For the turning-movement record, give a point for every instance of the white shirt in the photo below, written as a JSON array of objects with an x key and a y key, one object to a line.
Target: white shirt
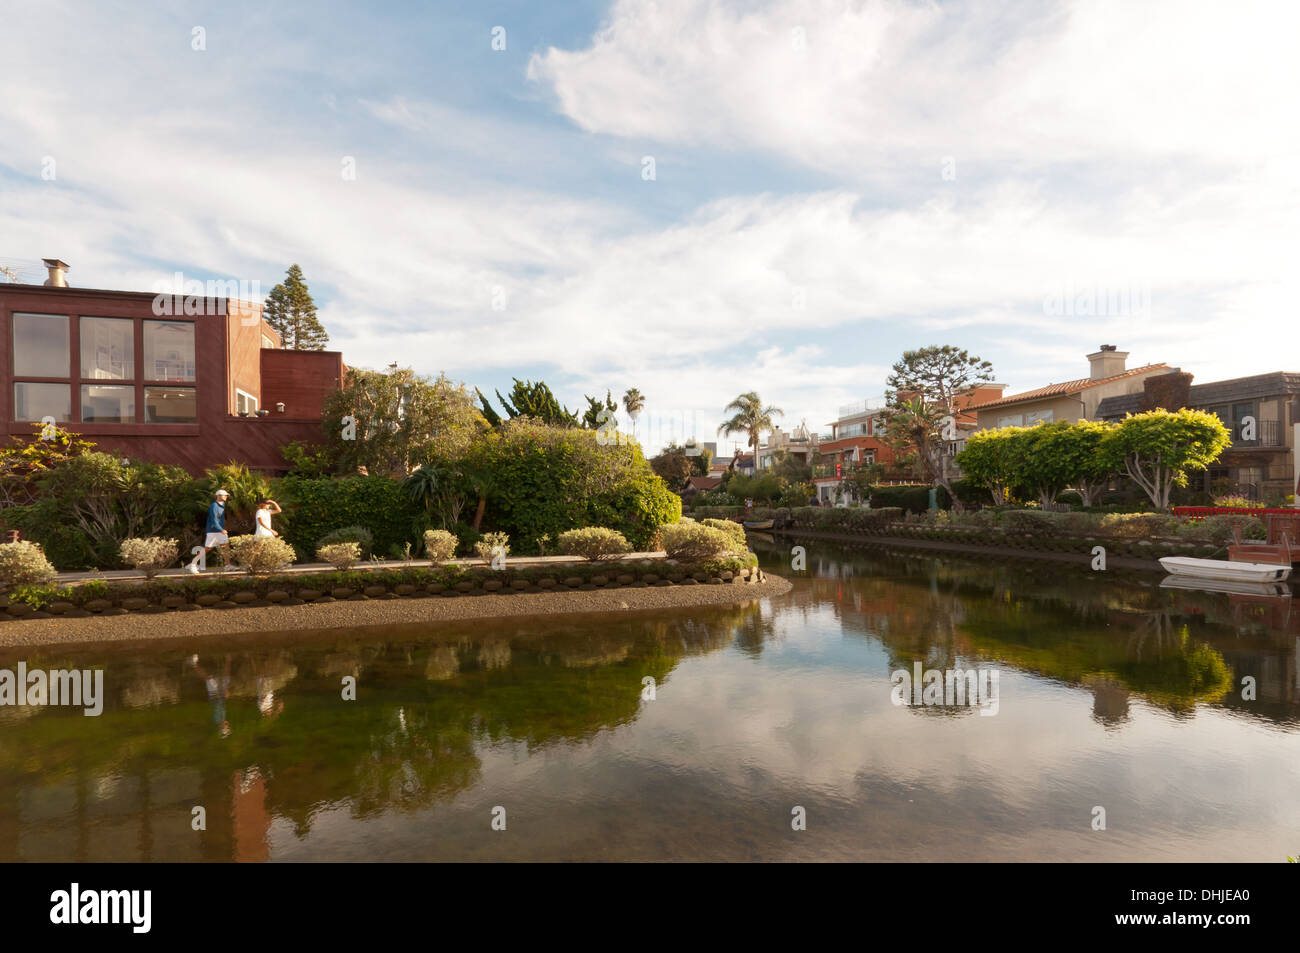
[{"x": 263, "y": 519}]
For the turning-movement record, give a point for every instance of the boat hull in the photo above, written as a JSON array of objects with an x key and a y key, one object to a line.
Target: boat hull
[{"x": 1222, "y": 569}]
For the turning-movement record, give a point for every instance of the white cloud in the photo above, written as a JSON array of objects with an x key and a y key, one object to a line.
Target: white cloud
[
  {"x": 1102, "y": 144},
  {"x": 885, "y": 81}
]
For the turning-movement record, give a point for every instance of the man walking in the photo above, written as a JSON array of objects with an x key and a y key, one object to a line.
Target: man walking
[{"x": 215, "y": 531}]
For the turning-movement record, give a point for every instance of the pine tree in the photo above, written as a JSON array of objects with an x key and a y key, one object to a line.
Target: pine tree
[{"x": 290, "y": 310}]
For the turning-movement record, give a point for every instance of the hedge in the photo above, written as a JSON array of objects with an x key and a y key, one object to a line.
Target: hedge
[{"x": 315, "y": 508}]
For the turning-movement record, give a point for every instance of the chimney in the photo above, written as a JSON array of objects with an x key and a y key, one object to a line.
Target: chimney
[
  {"x": 58, "y": 273},
  {"x": 1107, "y": 362}
]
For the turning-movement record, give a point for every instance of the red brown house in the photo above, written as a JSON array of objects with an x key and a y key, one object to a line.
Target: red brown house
[{"x": 193, "y": 382}]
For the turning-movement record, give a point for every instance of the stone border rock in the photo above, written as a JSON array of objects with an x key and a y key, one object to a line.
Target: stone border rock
[{"x": 117, "y": 624}]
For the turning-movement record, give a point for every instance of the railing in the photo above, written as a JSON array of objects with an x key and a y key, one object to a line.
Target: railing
[
  {"x": 1200, "y": 511},
  {"x": 860, "y": 407},
  {"x": 1268, "y": 433},
  {"x": 824, "y": 470}
]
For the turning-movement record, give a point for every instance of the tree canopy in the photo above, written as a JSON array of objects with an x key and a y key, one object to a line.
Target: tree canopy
[
  {"x": 399, "y": 420},
  {"x": 290, "y": 310},
  {"x": 1158, "y": 449},
  {"x": 750, "y": 417}
]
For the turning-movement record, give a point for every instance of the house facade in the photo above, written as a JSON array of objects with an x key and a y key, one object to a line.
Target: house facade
[
  {"x": 1071, "y": 400},
  {"x": 1261, "y": 411},
  {"x": 799, "y": 443},
  {"x": 195, "y": 385},
  {"x": 857, "y": 439}
]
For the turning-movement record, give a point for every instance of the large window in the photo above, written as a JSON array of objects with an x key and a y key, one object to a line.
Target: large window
[
  {"x": 41, "y": 349},
  {"x": 170, "y": 405},
  {"x": 41, "y": 345},
  {"x": 107, "y": 404},
  {"x": 103, "y": 381},
  {"x": 107, "y": 349},
  {"x": 35, "y": 402},
  {"x": 168, "y": 350}
]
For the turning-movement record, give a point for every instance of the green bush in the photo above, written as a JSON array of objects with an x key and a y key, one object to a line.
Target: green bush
[
  {"x": 150, "y": 555},
  {"x": 24, "y": 564},
  {"x": 313, "y": 509},
  {"x": 735, "y": 531},
  {"x": 1139, "y": 525},
  {"x": 913, "y": 498},
  {"x": 87, "y": 504},
  {"x": 339, "y": 555},
  {"x": 260, "y": 554},
  {"x": 439, "y": 545},
  {"x": 492, "y": 545},
  {"x": 593, "y": 543},
  {"x": 364, "y": 539},
  {"x": 547, "y": 480},
  {"x": 694, "y": 542}
]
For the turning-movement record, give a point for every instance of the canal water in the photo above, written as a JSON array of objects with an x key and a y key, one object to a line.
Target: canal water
[{"x": 1105, "y": 718}]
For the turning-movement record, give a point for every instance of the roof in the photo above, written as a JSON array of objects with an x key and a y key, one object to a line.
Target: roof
[
  {"x": 705, "y": 483},
  {"x": 1119, "y": 405},
  {"x": 1277, "y": 384},
  {"x": 1068, "y": 387}
]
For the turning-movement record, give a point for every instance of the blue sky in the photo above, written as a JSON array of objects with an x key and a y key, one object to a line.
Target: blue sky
[{"x": 913, "y": 173}]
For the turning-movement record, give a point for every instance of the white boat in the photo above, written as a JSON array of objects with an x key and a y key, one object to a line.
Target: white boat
[{"x": 1224, "y": 569}]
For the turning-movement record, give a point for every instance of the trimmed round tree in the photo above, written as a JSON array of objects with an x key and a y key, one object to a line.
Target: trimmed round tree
[{"x": 1158, "y": 449}]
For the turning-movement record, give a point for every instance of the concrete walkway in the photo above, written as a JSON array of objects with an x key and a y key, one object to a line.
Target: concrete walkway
[{"x": 125, "y": 575}]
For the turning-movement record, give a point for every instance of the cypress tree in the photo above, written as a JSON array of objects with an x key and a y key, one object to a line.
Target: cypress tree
[{"x": 290, "y": 310}]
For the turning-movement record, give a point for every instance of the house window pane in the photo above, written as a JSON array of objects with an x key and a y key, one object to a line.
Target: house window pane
[
  {"x": 41, "y": 345},
  {"x": 33, "y": 402},
  {"x": 168, "y": 350},
  {"x": 170, "y": 405},
  {"x": 245, "y": 403},
  {"x": 108, "y": 349},
  {"x": 101, "y": 404}
]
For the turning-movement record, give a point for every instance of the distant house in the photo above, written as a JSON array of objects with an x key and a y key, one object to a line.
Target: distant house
[
  {"x": 1069, "y": 400},
  {"x": 1261, "y": 411},
  {"x": 700, "y": 484},
  {"x": 800, "y": 444},
  {"x": 857, "y": 439},
  {"x": 196, "y": 386}
]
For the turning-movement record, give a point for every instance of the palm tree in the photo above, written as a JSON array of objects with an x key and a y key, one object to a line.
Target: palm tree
[
  {"x": 425, "y": 485},
  {"x": 633, "y": 401},
  {"x": 481, "y": 481},
  {"x": 751, "y": 418}
]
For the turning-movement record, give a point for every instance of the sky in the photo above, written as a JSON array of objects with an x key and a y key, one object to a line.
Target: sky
[{"x": 696, "y": 199}]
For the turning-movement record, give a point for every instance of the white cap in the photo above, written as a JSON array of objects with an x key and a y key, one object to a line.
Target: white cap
[{"x": 222, "y": 493}]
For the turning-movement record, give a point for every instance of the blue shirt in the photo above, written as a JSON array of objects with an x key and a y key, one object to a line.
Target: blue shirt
[{"x": 216, "y": 518}]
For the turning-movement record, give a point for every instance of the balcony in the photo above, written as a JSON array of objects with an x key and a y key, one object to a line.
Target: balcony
[
  {"x": 824, "y": 471},
  {"x": 1268, "y": 433},
  {"x": 859, "y": 407}
]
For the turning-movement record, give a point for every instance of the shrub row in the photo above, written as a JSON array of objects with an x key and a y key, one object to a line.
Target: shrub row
[{"x": 227, "y": 590}]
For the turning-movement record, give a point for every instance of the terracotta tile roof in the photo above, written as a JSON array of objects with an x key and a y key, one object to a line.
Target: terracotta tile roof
[{"x": 1068, "y": 387}]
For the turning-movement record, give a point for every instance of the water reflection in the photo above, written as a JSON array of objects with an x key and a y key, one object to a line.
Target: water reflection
[{"x": 758, "y": 706}]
